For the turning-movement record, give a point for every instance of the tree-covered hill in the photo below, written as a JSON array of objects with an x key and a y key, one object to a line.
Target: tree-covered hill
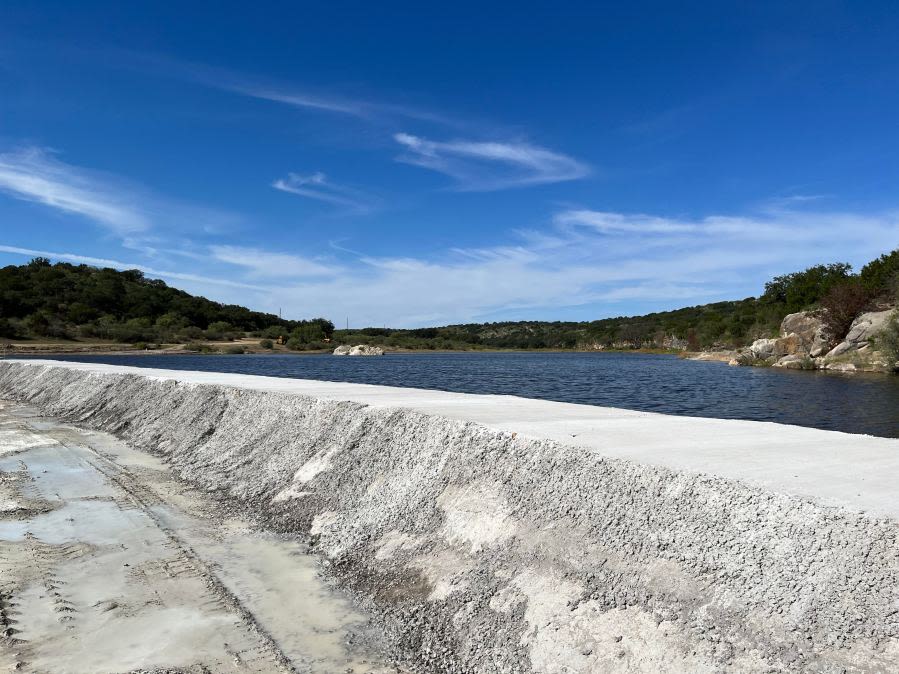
[
  {"x": 64, "y": 301},
  {"x": 731, "y": 324}
]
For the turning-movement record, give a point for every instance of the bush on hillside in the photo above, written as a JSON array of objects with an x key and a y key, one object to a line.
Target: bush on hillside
[
  {"x": 298, "y": 345},
  {"x": 198, "y": 347},
  {"x": 134, "y": 330},
  {"x": 841, "y": 305},
  {"x": 10, "y": 328},
  {"x": 888, "y": 341},
  {"x": 881, "y": 276},
  {"x": 38, "y": 324},
  {"x": 220, "y": 330},
  {"x": 272, "y": 332},
  {"x": 190, "y": 333}
]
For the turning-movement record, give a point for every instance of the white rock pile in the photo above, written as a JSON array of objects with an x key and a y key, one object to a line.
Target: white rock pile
[{"x": 358, "y": 350}]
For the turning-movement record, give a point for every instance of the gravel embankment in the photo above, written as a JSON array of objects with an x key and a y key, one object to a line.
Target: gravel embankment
[{"x": 486, "y": 552}]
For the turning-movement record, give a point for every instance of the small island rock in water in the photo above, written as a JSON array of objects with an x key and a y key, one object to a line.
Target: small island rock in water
[{"x": 358, "y": 350}]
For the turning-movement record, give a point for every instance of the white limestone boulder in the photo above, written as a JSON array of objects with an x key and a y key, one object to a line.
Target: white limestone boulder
[{"x": 358, "y": 350}]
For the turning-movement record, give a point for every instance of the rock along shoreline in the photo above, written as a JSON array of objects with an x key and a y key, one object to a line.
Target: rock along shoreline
[{"x": 804, "y": 344}]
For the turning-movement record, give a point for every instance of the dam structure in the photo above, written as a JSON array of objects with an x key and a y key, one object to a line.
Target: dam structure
[{"x": 493, "y": 534}]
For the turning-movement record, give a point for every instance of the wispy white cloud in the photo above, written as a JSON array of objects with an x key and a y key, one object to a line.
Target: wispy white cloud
[
  {"x": 331, "y": 99},
  {"x": 35, "y": 174},
  {"x": 134, "y": 214},
  {"x": 585, "y": 263},
  {"x": 317, "y": 186},
  {"x": 297, "y": 99},
  {"x": 626, "y": 263},
  {"x": 621, "y": 223},
  {"x": 481, "y": 166},
  {"x": 306, "y": 99},
  {"x": 771, "y": 226},
  {"x": 266, "y": 264}
]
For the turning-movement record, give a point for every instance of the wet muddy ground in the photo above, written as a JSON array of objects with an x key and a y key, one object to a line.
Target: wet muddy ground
[{"x": 108, "y": 563}]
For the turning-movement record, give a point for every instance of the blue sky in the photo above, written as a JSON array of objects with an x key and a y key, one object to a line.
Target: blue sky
[{"x": 408, "y": 165}]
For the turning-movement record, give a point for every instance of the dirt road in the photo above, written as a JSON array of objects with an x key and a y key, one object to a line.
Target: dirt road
[{"x": 110, "y": 564}]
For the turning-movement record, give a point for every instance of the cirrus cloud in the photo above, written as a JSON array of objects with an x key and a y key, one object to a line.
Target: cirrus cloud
[
  {"x": 132, "y": 213},
  {"x": 35, "y": 174},
  {"x": 260, "y": 263},
  {"x": 317, "y": 186},
  {"x": 584, "y": 264},
  {"x": 485, "y": 166}
]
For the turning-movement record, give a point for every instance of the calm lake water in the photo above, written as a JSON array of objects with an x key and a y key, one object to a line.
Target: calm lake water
[{"x": 854, "y": 403}]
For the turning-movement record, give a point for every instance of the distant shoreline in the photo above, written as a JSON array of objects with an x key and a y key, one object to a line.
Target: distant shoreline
[{"x": 253, "y": 349}]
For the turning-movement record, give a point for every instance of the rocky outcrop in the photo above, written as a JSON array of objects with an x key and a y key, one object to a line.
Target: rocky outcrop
[
  {"x": 669, "y": 342},
  {"x": 761, "y": 349},
  {"x": 804, "y": 343},
  {"x": 807, "y": 331},
  {"x": 863, "y": 330},
  {"x": 802, "y": 336},
  {"x": 795, "y": 362},
  {"x": 723, "y": 356},
  {"x": 358, "y": 350},
  {"x": 674, "y": 343}
]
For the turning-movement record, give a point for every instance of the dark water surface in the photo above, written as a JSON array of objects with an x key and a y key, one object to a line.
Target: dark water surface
[{"x": 854, "y": 403}]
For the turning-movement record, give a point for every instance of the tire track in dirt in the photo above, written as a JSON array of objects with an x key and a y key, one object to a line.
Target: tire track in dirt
[{"x": 89, "y": 546}]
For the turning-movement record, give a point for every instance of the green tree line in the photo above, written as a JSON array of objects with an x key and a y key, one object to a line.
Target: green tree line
[
  {"x": 729, "y": 324},
  {"x": 64, "y": 301}
]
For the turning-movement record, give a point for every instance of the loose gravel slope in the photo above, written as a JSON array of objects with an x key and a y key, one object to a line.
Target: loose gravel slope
[{"x": 483, "y": 551}]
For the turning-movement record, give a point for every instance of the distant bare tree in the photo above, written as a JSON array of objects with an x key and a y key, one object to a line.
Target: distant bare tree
[
  {"x": 840, "y": 306},
  {"x": 633, "y": 334},
  {"x": 693, "y": 343}
]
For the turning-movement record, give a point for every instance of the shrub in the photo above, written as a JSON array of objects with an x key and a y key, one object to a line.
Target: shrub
[
  {"x": 37, "y": 324},
  {"x": 198, "y": 347},
  {"x": 9, "y": 328},
  {"x": 888, "y": 341},
  {"x": 267, "y": 344},
  {"x": 220, "y": 330},
  {"x": 807, "y": 364},
  {"x": 841, "y": 304},
  {"x": 275, "y": 331},
  {"x": 235, "y": 350},
  {"x": 133, "y": 330},
  {"x": 169, "y": 325},
  {"x": 295, "y": 344},
  {"x": 191, "y": 333}
]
